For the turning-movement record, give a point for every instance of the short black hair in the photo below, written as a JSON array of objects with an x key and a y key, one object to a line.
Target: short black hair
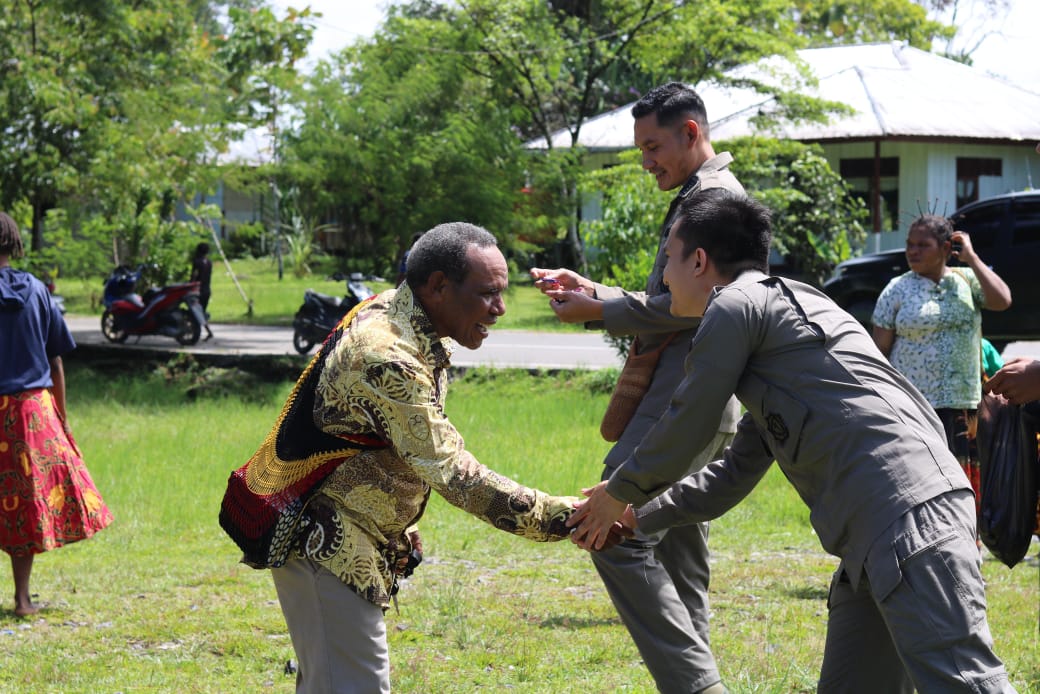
[
  {"x": 10, "y": 238},
  {"x": 672, "y": 102},
  {"x": 202, "y": 249},
  {"x": 444, "y": 248},
  {"x": 732, "y": 228},
  {"x": 938, "y": 226}
]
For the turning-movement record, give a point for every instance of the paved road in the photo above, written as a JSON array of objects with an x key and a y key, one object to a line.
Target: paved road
[{"x": 502, "y": 348}]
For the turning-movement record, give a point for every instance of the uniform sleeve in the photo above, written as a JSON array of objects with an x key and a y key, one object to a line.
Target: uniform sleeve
[
  {"x": 397, "y": 401},
  {"x": 718, "y": 355},
  {"x": 887, "y": 306},
  {"x": 635, "y": 312},
  {"x": 711, "y": 492}
]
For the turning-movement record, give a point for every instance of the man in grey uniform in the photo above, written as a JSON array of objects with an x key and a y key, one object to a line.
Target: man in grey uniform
[
  {"x": 860, "y": 444},
  {"x": 659, "y": 581}
]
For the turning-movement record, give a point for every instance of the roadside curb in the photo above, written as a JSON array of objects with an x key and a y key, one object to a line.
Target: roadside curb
[{"x": 129, "y": 358}]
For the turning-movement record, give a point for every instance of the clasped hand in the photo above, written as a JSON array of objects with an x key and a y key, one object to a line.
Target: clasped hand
[{"x": 601, "y": 521}]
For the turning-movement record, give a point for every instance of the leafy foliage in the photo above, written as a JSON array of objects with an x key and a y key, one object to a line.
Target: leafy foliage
[
  {"x": 114, "y": 110},
  {"x": 816, "y": 222},
  {"x": 397, "y": 136},
  {"x": 622, "y": 244},
  {"x": 869, "y": 21}
]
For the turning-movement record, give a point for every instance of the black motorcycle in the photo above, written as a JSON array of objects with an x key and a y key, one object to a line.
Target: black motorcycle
[{"x": 320, "y": 313}]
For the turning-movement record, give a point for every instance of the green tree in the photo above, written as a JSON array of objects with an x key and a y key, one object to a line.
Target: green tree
[
  {"x": 817, "y": 223},
  {"x": 385, "y": 121},
  {"x": 115, "y": 110},
  {"x": 560, "y": 63},
  {"x": 102, "y": 99},
  {"x": 260, "y": 55},
  {"x": 396, "y": 135}
]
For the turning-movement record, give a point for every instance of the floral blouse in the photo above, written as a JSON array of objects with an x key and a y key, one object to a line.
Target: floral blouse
[
  {"x": 387, "y": 378},
  {"x": 938, "y": 333}
]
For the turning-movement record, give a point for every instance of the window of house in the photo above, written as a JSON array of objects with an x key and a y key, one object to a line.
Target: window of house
[
  {"x": 969, "y": 171},
  {"x": 859, "y": 174}
]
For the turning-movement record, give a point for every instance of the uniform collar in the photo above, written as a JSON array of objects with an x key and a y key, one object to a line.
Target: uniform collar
[{"x": 717, "y": 163}]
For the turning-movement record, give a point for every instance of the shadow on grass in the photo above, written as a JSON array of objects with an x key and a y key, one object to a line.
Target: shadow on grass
[
  {"x": 807, "y": 593},
  {"x": 579, "y": 623}
]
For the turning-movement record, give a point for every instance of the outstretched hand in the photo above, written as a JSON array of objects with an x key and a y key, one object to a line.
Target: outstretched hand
[
  {"x": 596, "y": 519},
  {"x": 565, "y": 279}
]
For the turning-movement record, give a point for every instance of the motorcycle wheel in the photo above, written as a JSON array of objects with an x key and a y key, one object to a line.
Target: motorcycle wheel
[
  {"x": 109, "y": 329},
  {"x": 300, "y": 342},
  {"x": 190, "y": 330}
]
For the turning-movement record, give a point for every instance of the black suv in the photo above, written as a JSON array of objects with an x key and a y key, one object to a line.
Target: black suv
[{"x": 1005, "y": 232}]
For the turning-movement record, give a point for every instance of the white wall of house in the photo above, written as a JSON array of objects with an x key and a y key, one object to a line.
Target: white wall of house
[{"x": 928, "y": 177}]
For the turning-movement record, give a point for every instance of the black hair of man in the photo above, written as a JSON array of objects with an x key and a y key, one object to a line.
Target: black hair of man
[
  {"x": 444, "y": 248},
  {"x": 202, "y": 250},
  {"x": 673, "y": 102},
  {"x": 938, "y": 226},
  {"x": 733, "y": 229},
  {"x": 10, "y": 238}
]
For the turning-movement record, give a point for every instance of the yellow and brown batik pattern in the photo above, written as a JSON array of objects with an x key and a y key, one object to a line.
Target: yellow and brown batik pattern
[{"x": 387, "y": 378}]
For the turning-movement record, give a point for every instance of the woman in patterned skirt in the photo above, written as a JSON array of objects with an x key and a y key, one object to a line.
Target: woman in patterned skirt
[
  {"x": 47, "y": 498},
  {"x": 928, "y": 322}
]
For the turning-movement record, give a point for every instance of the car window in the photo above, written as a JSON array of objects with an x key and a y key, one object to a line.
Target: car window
[
  {"x": 1027, "y": 222},
  {"x": 982, "y": 224}
]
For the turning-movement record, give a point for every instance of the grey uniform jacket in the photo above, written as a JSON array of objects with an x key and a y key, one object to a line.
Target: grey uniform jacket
[
  {"x": 858, "y": 442},
  {"x": 646, "y": 315}
]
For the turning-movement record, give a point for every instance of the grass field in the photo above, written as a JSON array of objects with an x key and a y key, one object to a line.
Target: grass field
[{"x": 159, "y": 603}]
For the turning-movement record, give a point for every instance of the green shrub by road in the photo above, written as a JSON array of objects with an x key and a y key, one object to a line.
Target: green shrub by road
[{"x": 159, "y": 603}]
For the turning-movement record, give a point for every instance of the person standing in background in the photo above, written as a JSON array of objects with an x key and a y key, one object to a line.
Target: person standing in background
[
  {"x": 658, "y": 582},
  {"x": 47, "y": 498},
  {"x": 928, "y": 322},
  {"x": 202, "y": 272}
]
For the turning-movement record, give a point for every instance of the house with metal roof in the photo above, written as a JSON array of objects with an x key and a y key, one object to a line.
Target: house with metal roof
[{"x": 925, "y": 132}]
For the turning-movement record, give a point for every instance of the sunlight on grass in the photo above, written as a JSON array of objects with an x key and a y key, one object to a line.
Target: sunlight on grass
[{"x": 159, "y": 603}]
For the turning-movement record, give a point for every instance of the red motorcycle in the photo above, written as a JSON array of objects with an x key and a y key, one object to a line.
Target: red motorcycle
[{"x": 173, "y": 310}]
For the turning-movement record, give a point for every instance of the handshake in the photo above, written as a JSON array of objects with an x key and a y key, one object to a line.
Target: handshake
[{"x": 600, "y": 521}]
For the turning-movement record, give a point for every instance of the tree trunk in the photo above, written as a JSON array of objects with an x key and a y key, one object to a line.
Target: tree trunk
[{"x": 39, "y": 208}]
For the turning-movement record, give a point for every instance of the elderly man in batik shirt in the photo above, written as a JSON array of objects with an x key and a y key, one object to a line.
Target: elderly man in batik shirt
[{"x": 386, "y": 380}]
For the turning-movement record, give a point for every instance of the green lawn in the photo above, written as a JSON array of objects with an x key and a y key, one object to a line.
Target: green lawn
[{"x": 159, "y": 603}]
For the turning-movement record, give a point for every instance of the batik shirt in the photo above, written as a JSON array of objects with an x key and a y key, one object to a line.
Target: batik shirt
[
  {"x": 387, "y": 379},
  {"x": 938, "y": 333}
]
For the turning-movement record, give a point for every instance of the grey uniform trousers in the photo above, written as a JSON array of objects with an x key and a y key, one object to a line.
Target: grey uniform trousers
[
  {"x": 918, "y": 615},
  {"x": 659, "y": 586}
]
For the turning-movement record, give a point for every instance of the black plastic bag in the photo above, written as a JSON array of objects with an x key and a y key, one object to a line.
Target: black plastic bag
[{"x": 1007, "y": 446}]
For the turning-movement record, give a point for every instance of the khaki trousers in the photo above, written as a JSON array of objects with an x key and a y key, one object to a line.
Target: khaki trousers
[{"x": 339, "y": 637}]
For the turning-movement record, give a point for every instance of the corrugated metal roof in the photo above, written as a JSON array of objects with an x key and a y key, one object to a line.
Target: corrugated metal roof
[{"x": 896, "y": 91}]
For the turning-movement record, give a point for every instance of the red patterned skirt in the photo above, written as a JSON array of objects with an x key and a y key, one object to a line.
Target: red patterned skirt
[{"x": 47, "y": 498}]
